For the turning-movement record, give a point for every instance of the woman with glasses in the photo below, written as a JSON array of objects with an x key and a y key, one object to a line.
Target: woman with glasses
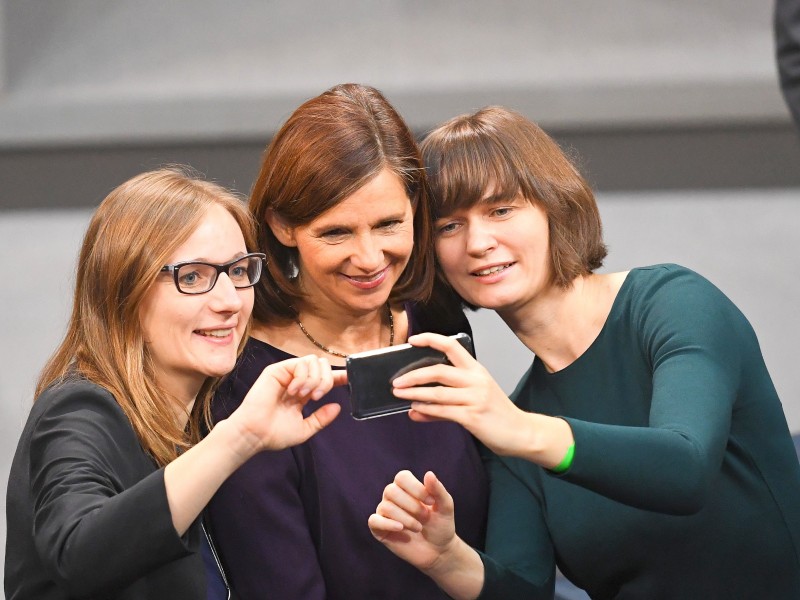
[
  {"x": 341, "y": 211},
  {"x": 645, "y": 452},
  {"x": 110, "y": 474}
]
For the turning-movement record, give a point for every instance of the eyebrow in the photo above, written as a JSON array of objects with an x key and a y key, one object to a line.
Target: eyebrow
[
  {"x": 205, "y": 260},
  {"x": 399, "y": 216},
  {"x": 497, "y": 198}
]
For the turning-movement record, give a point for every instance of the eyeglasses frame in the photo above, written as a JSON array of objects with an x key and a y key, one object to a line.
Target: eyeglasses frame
[{"x": 220, "y": 268}]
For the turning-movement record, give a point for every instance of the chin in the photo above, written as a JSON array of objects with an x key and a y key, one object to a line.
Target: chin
[
  {"x": 220, "y": 369},
  {"x": 369, "y": 305}
]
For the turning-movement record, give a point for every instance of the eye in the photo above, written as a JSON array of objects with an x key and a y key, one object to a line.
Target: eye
[
  {"x": 238, "y": 272},
  {"x": 334, "y": 235},
  {"x": 502, "y": 211},
  {"x": 390, "y": 225},
  {"x": 446, "y": 227},
  {"x": 189, "y": 278}
]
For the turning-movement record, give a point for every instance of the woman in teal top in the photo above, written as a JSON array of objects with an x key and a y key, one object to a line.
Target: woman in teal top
[{"x": 645, "y": 453}]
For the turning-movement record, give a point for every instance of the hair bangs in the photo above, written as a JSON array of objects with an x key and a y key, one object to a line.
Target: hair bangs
[{"x": 468, "y": 169}]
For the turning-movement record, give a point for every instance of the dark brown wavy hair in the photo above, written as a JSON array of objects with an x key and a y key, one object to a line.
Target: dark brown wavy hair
[{"x": 330, "y": 147}]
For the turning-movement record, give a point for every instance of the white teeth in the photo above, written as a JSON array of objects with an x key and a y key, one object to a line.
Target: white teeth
[
  {"x": 496, "y": 269},
  {"x": 366, "y": 279},
  {"x": 216, "y": 332}
]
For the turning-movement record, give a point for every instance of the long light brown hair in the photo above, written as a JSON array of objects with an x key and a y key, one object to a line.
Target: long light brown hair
[
  {"x": 131, "y": 235},
  {"x": 330, "y": 147}
]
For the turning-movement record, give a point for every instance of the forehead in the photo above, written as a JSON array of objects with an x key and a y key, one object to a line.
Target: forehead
[
  {"x": 382, "y": 197},
  {"x": 217, "y": 237}
]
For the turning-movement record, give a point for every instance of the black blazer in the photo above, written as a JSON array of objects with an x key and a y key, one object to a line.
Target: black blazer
[{"x": 87, "y": 510}]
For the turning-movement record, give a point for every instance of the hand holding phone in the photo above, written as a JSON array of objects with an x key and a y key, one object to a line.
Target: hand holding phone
[{"x": 370, "y": 375}]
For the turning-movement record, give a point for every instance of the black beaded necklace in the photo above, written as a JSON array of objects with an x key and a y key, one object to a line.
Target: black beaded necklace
[{"x": 334, "y": 352}]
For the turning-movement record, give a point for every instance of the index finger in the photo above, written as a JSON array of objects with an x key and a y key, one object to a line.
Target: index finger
[
  {"x": 456, "y": 353},
  {"x": 407, "y": 482}
]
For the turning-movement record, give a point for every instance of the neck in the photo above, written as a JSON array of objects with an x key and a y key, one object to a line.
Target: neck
[
  {"x": 561, "y": 325},
  {"x": 182, "y": 394},
  {"x": 340, "y": 336},
  {"x": 182, "y": 413}
]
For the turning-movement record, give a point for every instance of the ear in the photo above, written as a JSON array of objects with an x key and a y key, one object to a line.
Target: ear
[{"x": 280, "y": 229}]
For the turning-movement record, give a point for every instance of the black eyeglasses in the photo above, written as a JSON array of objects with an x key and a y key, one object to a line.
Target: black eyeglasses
[{"x": 194, "y": 277}]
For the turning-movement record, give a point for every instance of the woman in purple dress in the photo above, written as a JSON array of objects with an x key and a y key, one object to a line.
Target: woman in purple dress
[{"x": 341, "y": 207}]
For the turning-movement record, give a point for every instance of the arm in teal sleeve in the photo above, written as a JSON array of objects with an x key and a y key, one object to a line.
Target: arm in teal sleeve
[
  {"x": 694, "y": 338},
  {"x": 519, "y": 560}
]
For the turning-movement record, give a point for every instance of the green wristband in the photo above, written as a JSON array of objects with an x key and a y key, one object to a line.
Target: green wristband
[{"x": 566, "y": 462}]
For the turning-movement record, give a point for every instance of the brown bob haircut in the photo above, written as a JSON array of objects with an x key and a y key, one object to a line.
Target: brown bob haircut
[
  {"x": 330, "y": 147},
  {"x": 131, "y": 236},
  {"x": 499, "y": 148}
]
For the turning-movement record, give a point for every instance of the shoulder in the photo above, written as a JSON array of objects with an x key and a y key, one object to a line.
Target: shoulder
[
  {"x": 77, "y": 418},
  {"x": 661, "y": 273},
  {"x": 670, "y": 286},
  {"x": 671, "y": 304},
  {"x": 77, "y": 395}
]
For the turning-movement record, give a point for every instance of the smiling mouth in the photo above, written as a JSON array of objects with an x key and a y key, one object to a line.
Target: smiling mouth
[
  {"x": 367, "y": 278},
  {"x": 217, "y": 333},
  {"x": 491, "y": 270}
]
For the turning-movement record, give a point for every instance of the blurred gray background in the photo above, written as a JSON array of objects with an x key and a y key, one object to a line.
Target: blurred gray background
[{"x": 672, "y": 109}]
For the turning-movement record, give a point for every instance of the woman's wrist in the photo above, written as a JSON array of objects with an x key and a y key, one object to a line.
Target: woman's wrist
[
  {"x": 232, "y": 439},
  {"x": 545, "y": 440},
  {"x": 458, "y": 571}
]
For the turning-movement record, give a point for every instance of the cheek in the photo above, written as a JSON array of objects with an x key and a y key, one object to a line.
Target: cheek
[
  {"x": 448, "y": 257},
  {"x": 320, "y": 257},
  {"x": 248, "y": 299},
  {"x": 151, "y": 316},
  {"x": 402, "y": 245}
]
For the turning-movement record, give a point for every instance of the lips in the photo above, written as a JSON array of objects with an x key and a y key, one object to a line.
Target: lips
[
  {"x": 366, "y": 282},
  {"x": 493, "y": 270},
  {"x": 214, "y": 333}
]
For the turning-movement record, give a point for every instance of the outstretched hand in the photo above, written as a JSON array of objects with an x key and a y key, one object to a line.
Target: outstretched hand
[
  {"x": 415, "y": 520},
  {"x": 463, "y": 392},
  {"x": 271, "y": 415}
]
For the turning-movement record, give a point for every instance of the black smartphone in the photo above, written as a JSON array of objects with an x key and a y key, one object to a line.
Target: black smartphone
[{"x": 370, "y": 375}]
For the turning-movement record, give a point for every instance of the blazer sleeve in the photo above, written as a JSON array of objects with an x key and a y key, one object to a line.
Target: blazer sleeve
[{"x": 95, "y": 499}]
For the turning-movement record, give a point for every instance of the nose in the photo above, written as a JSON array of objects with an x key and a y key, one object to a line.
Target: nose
[
  {"x": 480, "y": 238},
  {"x": 224, "y": 295},
  {"x": 367, "y": 254}
]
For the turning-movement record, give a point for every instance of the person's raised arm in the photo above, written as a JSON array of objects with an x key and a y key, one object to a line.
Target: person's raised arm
[
  {"x": 468, "y": 395},
  {"x": 270, "y": 418}
]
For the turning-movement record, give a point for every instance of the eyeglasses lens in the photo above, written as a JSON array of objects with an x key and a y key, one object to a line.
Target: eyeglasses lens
[{"x": 197, "y": 278}]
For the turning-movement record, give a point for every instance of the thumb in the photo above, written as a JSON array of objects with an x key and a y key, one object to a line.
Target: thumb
[
  {"x": 438, "y": 492},
  {"x": 339, "y": 377},
  {"x": 321, "y": 418}
]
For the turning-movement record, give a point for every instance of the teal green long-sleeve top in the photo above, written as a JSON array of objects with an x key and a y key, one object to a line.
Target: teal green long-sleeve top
[{"x": 685, "y": 483}]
